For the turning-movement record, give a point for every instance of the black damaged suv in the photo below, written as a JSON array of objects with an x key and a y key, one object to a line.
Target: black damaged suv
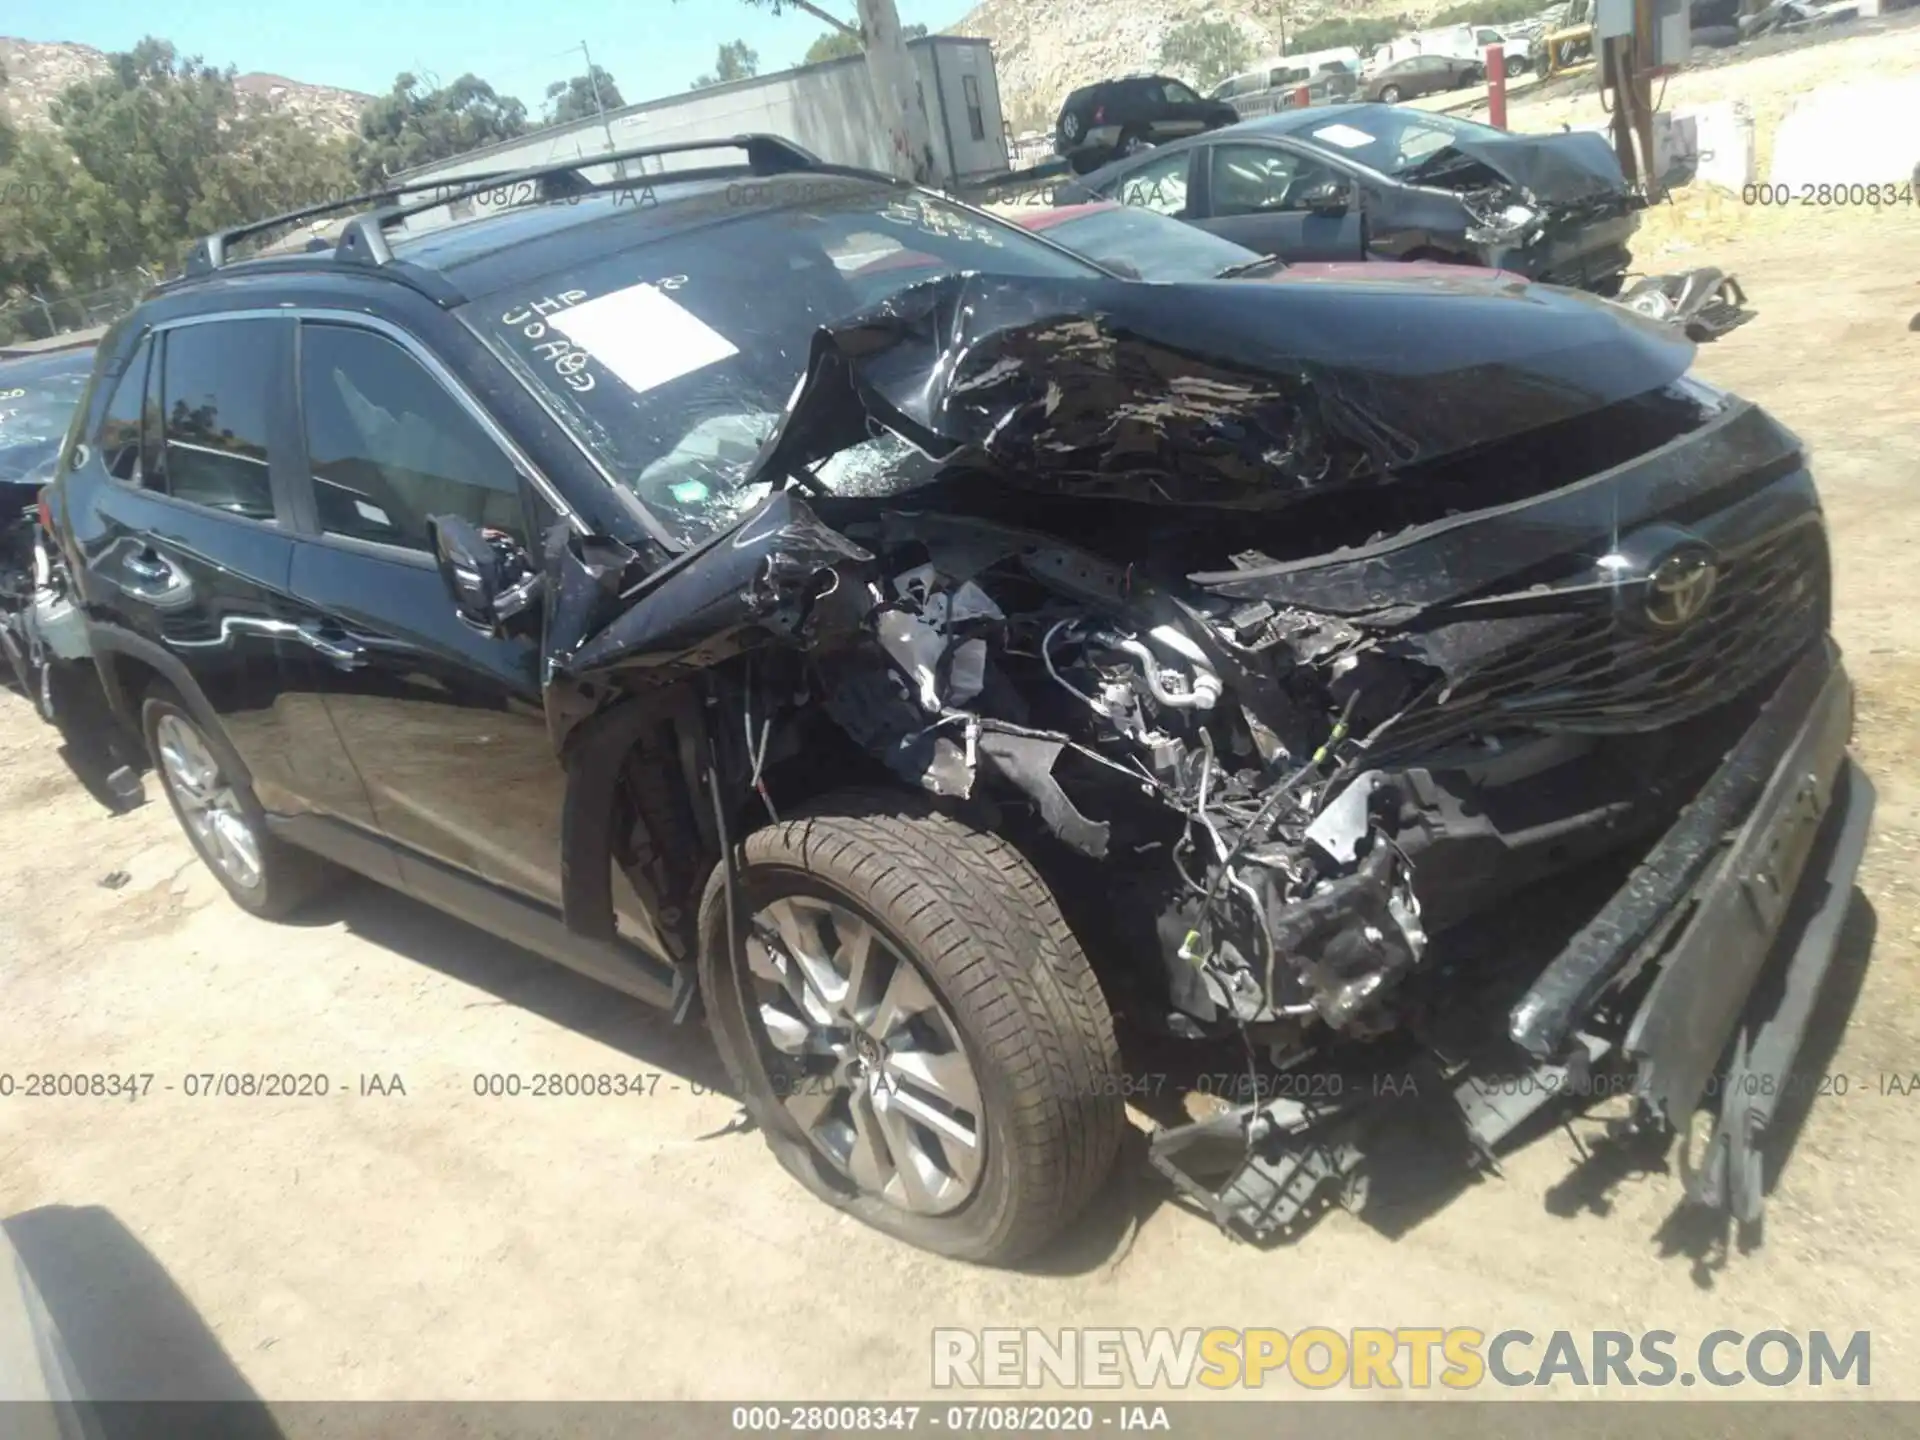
[{"x": 788, "y": 594}]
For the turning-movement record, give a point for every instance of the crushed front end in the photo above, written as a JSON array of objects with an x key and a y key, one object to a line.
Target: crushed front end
[{"x": 1285, "y": 668}]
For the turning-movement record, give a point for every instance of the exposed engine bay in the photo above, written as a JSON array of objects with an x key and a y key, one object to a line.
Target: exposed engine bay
[
  {"x": 1360, "y": 680},
  {"x": 1284, "y": 897}
]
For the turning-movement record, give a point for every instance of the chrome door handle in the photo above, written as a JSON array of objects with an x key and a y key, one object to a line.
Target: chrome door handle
[{"x": 347, "y": 654}]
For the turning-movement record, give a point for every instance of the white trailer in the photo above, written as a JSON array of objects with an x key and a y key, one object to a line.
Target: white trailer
[{"x": 828, "y": 108}]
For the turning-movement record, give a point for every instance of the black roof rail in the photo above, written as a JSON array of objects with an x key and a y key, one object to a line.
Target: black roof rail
[
  {"x": 210, "y": 253},
  {"x": 364, "y": 239}
]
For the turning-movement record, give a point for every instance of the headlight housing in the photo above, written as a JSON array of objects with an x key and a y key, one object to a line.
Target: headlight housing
[{"x": 1509, "y": 225}]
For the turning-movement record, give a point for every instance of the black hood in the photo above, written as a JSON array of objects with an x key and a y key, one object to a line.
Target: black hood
[
  {"x": 1216, "y": 393},
  {"x": 1567, "y": 169}
]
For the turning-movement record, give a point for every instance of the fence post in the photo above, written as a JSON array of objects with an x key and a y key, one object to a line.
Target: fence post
[{"x": 1497, "y": 87}]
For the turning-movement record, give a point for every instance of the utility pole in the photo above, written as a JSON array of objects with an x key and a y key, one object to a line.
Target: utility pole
[
  {"x": 896, "y": 92},
  {"x": 593, "y": 84}
]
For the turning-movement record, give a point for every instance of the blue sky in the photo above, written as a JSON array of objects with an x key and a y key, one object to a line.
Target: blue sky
[{"x": 651, "y": 47}]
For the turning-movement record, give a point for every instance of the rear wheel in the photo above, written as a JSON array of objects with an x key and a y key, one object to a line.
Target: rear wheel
[
  {"x": 913, "y": 1026},
  {"x": 223, "y": 821},
  {"x": 1390, "y": 94}
]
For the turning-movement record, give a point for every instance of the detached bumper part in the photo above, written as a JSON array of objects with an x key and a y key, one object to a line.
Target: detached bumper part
[
  {"x": 1755, "y": 877},
  {"x": 1278, "y": 1157}
]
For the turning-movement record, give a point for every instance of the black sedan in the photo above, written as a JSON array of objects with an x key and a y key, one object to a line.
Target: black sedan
[
  {"x": 1367, "y": 181},
  {"x": 1424, "y": 75}
]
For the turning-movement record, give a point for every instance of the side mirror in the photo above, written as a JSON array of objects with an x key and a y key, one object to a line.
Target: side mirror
[
  {"x": 1329, "y": 197},
  {"x": 490, "y": 576}
]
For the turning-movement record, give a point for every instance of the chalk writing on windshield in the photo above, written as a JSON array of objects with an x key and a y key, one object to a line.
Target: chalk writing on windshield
[
  {"x": 569, "y": 361},
  {"x": 916, "y": 214}
]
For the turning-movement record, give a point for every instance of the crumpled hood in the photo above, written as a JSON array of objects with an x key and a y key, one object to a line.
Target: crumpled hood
[
  {"x": 1215, "y": 393},
  {"x": 1567, "y": 169}
]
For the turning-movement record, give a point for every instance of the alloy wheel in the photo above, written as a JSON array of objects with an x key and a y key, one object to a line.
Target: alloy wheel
[
  {"x": 207, "y": 801},
  {"x": 866, "y": 1059}
]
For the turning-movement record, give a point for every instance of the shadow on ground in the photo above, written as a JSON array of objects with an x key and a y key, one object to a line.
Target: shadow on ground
[{"x": 127, "y": 1331}]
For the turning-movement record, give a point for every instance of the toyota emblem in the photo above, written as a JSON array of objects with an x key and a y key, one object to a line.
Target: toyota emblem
[{"x": 1679, "y": 587}]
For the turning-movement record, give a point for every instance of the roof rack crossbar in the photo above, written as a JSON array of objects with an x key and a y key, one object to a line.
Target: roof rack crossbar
[
  {"x": 210, "y": 253},
  {"x": 364, "y": 239}
]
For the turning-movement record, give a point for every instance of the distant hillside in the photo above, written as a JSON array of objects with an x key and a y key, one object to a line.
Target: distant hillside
[
  {"x": 37, "y": 73},
  {"x": 1044, "y": 48}
]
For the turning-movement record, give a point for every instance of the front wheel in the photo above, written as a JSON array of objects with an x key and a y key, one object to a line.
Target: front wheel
[
  {"x": 1390, "y": 95},
  {"x": 1132, "y": 143},
  {"x": 913, "y": 1027}
]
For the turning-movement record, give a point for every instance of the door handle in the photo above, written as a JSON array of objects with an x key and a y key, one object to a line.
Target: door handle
[{"x": 348, "y": 654}]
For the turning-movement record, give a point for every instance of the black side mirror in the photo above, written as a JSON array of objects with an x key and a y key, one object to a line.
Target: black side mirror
[
  {"x": 490, "y": 576},
  {"x": 1329, "y": 197}
]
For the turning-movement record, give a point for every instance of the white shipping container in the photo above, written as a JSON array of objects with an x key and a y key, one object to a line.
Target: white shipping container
[{"x": 827, "y": 108}]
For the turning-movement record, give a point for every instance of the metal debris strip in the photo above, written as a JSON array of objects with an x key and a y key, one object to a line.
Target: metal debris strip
[{"x": 1704, "y": 304}]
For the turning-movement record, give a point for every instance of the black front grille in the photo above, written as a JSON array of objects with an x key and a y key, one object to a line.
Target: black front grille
[{"x": 1596, "y": 673}]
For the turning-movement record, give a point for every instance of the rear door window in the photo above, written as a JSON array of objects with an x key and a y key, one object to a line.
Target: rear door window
[
  {"x": 214, "y": 390},
  {"x": 389, "y": 447},
  {"x": 119, "y": 440},
  {"x": 1159, "y": 185}
]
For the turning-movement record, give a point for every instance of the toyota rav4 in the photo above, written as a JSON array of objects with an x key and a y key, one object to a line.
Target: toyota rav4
[{"x": 792, "y": 597}]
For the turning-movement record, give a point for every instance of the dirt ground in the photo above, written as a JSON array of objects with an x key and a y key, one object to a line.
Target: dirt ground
[{"x": 435, "y": 1244}]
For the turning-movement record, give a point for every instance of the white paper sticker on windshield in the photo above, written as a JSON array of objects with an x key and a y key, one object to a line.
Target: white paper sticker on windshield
[
  {"x": 1345, "y": 136},
  {"x": 643, "y": 337}
]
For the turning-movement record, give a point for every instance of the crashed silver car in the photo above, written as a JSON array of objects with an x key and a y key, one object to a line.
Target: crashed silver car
[{"x": 938, "y": 649}]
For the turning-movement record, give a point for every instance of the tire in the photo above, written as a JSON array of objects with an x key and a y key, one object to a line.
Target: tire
[
  {"x": 1390, "y": 95},
  {"x": 962, "y": 914},
  {"x": 283, "y": 877},
  {"x": 1131, "y": 142}
]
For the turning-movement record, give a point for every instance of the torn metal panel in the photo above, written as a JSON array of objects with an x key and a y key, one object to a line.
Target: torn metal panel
[
  {"x": 1026, "y": 762},
  {"x": 762, "y": 576},
  {"x": 1243, "y": 397},
  {"x": 1567, "y": 169}
]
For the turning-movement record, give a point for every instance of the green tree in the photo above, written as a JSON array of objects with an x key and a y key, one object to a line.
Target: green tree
[
  {"x": 1208, "y": 50},
  {"x": 151, "y": 153},
  {"x": 838, "y": 44},
  {"x": 413, "y": 125},
  {"x": 736, "y": 60},
  {"x": 575, "y": 99}
]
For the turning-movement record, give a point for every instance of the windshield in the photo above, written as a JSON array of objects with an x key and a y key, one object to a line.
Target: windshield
[
  {"x": 1156, "y": 246},
  {"x": 673, "y": 360},
  {"x": 37, "y": 398},
  {"x": 1393, "y": 139}
]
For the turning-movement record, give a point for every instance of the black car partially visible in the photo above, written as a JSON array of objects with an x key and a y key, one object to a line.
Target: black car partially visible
[
  {"x": 42, "y": 385},
  {"x": 1125, "y": 117},
  {"x": 38, "y": 394}
]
